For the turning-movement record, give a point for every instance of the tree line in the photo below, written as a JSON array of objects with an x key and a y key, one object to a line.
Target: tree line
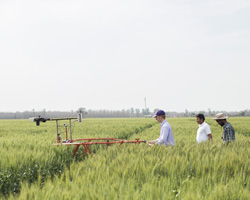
[{"x": 132, "y": 112}]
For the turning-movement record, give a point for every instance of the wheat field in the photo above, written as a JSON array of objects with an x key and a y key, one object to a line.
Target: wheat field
[{"x": 33, "y": 168}]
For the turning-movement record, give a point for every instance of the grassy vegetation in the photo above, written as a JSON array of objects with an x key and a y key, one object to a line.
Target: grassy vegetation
[
  {"x": 27, "y": 150},
  {"x": 131, "y": 171}
]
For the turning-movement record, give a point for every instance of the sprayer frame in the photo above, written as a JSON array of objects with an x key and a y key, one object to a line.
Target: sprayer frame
[{"x": 85, "y": 144}]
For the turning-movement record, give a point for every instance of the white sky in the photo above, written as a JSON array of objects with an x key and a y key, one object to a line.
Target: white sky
[{"x": 110, "y": 54}]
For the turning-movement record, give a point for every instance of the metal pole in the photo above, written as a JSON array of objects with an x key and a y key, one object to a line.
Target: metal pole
[
  {"x": 57, "y": 131},
  {"x": 70, "y": 129}
]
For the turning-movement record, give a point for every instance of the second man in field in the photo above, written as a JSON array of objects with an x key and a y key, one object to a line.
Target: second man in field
[{"x": 203, "y": 132}]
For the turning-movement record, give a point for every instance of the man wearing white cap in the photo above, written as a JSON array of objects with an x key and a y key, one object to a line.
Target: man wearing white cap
[
  {"x": 166, "y": 133},
  {"x": 228, "y": 130}
]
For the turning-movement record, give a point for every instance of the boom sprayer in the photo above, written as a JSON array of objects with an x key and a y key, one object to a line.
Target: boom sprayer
[{"x": 85, "y": 142}]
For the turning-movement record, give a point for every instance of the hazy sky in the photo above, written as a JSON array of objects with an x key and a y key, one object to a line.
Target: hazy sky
[{"x": 110, "y": 54}]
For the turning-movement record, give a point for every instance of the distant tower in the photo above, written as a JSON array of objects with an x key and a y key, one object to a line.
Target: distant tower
[{"x": 146, "y": 110}]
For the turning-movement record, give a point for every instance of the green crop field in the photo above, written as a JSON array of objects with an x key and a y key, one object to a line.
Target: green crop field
[{"x": 31, "y": 167}]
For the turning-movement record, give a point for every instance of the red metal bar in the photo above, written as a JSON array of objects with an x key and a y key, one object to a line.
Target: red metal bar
[
  {"x": 94, "y": 139},
  {"x": 77, "y": 147},
  {"x": 86, "y": 149},
  {"x": 110, "y": 142},
  {"x": 86, "y": 144},
  {"x": 66, "y": 133},
  {"x": 107, "y": 142}
]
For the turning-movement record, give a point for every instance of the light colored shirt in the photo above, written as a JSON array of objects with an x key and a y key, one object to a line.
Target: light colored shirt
[
  {"x": 166, "y": 134},
  {"x": 203, "y": 132}
]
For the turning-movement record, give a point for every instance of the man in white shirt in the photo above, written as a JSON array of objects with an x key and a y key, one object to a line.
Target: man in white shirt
[
  {"x": 166, "y": 134},
  {"x": 203, "y": 132}
]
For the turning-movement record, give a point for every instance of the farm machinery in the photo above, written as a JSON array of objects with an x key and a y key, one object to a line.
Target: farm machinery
[{"x": 85, "y": 142}]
